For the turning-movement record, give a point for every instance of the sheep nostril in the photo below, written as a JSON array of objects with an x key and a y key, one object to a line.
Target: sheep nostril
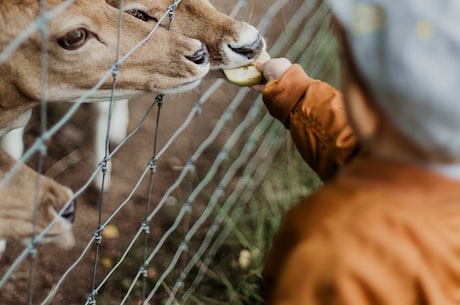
[
  {"x": 200, "y": 57},
  {"x": 250, "y": 51},
  {"x": 69, "y": 212}
]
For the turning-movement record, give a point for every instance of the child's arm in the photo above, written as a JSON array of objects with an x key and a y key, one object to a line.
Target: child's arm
[{"x": 314, "y": 113}]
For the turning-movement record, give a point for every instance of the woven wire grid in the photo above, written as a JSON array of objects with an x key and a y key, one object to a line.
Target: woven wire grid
[{"x": 245, "y": 156}]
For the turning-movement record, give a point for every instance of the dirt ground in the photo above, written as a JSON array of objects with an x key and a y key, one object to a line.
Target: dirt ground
[{"x": 69, "y": 161}]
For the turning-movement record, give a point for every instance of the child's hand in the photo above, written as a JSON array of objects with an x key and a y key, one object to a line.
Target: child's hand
[{"x": 272, "y": 70}]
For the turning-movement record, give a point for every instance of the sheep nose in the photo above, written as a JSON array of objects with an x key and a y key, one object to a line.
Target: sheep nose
[
  {"x": 69, "y": 212},
  {"x": 200, "y": 57},
  {"x": 250, "y": 51}
]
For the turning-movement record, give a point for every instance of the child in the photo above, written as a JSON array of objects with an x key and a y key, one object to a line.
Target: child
[{"x": 385, "y": 229}]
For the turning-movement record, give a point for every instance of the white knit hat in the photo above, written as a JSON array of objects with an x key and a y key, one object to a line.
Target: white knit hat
[{"x": 408, "y": 52}]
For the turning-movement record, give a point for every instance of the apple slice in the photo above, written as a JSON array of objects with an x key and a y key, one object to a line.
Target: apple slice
[{"x": 247, "y": 75}]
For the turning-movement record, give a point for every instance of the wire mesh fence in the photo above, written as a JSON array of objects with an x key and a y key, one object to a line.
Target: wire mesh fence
[{"x": 185, "y": 173}]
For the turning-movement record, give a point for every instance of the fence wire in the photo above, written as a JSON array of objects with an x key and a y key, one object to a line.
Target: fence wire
[{"x": 229, "y": 183}]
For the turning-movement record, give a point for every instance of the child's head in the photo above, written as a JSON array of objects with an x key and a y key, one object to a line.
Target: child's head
[{"x": 405, "y": 56}]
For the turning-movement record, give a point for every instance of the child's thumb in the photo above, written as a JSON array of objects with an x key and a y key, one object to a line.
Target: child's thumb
[{"x": 275, "y": 68}]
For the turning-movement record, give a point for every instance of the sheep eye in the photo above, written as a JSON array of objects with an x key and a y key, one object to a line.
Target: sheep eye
[
  {"x": 74, "y": 39},
  {"x": 141, "y": 15}
]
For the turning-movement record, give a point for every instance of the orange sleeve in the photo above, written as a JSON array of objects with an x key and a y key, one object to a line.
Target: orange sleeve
[{"x": 315, "y": 114}]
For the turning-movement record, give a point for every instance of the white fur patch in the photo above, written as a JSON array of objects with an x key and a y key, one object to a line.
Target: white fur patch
[{"x": 20, "y": 121}]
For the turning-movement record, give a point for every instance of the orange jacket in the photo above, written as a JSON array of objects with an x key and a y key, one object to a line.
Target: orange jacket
[
  {"x": 378, "y": 232},
  {"x": 314, "y": 113}
]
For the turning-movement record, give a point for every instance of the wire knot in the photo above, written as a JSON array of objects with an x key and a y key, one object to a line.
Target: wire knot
[
  {"x": 32, "y": 250},
  {"x": 171, "y": 9},
  {"x": 159, "y": 99},
  {"x": 184, "y": 246},
  {"x": 143, "y": 271},
  {"x": 171, "y": 13},
  {"x": 115, "y": 70},
  {"x": 42, "y": 146},
  {"x": 97, "y": 235},
  {"x": 153, "y": 164},
  {"x": 228, "y": 115},
  {"x": 223, "y": 154},
  {"x": 188, "y": 206},
  {"x": 146, "y": 227},
  {"x": 104, "y": 164},
  {"x": 90, "y": 300},
  {"x": 220, "y": 191},
  {"x": 198, "y": 108}
]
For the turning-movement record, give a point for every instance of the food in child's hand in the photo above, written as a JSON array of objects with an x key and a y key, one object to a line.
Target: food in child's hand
[{"x": 247, "y": 75}]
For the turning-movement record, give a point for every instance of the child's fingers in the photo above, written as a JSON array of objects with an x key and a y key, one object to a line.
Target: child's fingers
[
  {"x": 272, "y": 70},
  {"x": 260, "y": 65},
  {"x": 258, "y": 88},
  {"x": 275, "y": 68}
]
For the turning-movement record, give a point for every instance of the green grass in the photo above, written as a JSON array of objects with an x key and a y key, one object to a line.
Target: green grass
[{"x": 228, "y": 281}]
